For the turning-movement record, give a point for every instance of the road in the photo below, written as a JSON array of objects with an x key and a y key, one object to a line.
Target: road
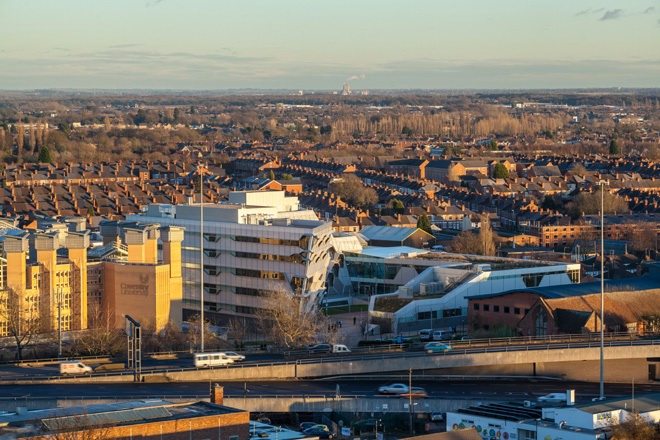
[
  {"x": 150, "y": 365},
  {"x": 514, "y": 390}
]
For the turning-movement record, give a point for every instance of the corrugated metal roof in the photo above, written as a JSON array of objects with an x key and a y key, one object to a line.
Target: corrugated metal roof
[
  {"x": 111, "y": 418},
  {"x": 387, "y": 233}
]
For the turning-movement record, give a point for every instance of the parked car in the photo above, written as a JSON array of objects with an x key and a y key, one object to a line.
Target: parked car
[
  {"x": 307, "y": 425},
  {"x": 234, "y": 356},
  {"x": 320, "y": 348},
  {"x": 441, "y": 335},
  {"x": 552, "y": 398},
  {"x": 321, "y": 431},
  {"x": 426, "y": 334},
  {"x": 394, "y": 388},
  {"x": 437, "y": 417},
  {"x": 436, "y": 347}
]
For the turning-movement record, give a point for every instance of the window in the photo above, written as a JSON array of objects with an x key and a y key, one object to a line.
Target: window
[
  {"x": 446, "y": 313},
  {"x": 526, "y": 311},
  {"x": 507, "y": 310},
  {"x": 532, "y": 280},
  {"x": 516, "y": 310},
  {"x": 475, "y": 306},
  {"x": 486, "y": 307},
  {"x": 424, "y": 315},
  {"x": 212, "y": 253},
  {"x": 524, "y": 434},
  {"x": 496, "y": 308},
  {"x": 233, "y": 437}
]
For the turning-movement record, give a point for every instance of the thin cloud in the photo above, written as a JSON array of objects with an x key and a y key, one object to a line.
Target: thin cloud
[
  {"x": 612, "y": 14},
  {"x": 123, "y": 46},
  {"x": 589, "y": 11}
]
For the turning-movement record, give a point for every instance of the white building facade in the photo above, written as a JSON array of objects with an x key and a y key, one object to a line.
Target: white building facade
[
  {"x": 438, "y": 296},
  {"x": 258, "y": 243}
]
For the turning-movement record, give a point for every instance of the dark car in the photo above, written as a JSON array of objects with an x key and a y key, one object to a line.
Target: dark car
[
  {"x": 320, "y": 431},
  {"x": 320, "y": 348}
]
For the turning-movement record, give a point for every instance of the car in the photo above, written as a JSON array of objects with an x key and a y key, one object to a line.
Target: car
[
  {"x": 552, "y": 398},
  {"x": 415, "y": 392},
  {"x": 441, "y": 335},
  {"x": 307, "y": 425},
  {"x": 394, "y": 388},
  {"x": 436, "y": 347},
  {"x": 425, "y": 334},
  {"x": 234, "y": 356},
  {"x": 437, "y": 417},
  {"x": 399, "y": 340},
  {"x": 320, "y": 348},
  {"x": 321, "y": 431}
]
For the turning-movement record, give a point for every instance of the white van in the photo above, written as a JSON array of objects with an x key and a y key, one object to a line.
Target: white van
[
  {"x": 212, "y": 360},
  {"x": 340, "y": 348},
  {"x": 75, "y": 367},
  {"x": 441, "y": 335},
  {"x": 426, "y": 334}
]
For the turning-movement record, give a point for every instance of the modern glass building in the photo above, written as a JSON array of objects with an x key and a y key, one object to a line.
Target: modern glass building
[{"x": 257, "y": 243}]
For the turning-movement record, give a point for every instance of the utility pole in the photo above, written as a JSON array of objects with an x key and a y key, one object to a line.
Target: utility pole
[
  {"x": 410, "y": 402},
  {"x": 202, "y": 324},
  {"x": 59, "y": 322},
  {"x": 602, "y": 289}
]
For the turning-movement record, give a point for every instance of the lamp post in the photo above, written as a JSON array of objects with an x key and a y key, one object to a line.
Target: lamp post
[
  {"x": 410, "y": 402},
  {"x": 59, "y": 322},
  {"x": 202, "y": 325},
  {"x": 602, "y": 289}
]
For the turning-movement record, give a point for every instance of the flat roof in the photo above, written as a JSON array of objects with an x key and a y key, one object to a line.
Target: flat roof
[
  {"x": 649, "y": 281},
  {"x": 643, "y": 403},
  {"x": 391, "y": 252},
  {"x": 513, "y": 412},
  {"x": 119, "y": 413}
]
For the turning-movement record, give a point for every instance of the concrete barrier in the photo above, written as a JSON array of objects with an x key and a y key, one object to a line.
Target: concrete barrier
[{"x": 516, "y": 362}]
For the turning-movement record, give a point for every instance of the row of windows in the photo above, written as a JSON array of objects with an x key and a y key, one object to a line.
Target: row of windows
[
  {"x": 496, "y": 308},
  {"x": 295, "y": 258},
  {"x": 434, "y": 314},
  {"x": 303, "y": 242}
]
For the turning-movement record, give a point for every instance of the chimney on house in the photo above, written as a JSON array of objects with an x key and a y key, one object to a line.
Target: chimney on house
[{"x": 217, "y": 394}]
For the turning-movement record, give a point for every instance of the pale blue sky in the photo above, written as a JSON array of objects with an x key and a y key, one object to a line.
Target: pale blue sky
[{"x": 317, "y": 44}]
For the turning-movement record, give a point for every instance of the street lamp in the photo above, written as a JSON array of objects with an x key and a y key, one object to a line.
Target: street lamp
[
  {"x": 410, "y": 402},
  {"x": 602, "y": 289},
  {"x": 201, "y": 170},
  {"x": 59, "y": 322}
]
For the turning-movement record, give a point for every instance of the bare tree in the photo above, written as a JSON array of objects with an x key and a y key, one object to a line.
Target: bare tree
[
  {"x": 22, "y": 318},
  {"x": 170, "y": 338},
  {"x": 101, "y": 337},
  {"x": 287, "y": 322},
  {"x": 211, "y": 340},
  {"x": 20, "y": 139},
  {"x": 486, "y": 237},
  {"x": 635, "y": 428},
  {"x": 467, "y": 242}
]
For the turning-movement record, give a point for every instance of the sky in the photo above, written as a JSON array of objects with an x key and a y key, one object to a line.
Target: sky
[{"x": 320, "y": 44}]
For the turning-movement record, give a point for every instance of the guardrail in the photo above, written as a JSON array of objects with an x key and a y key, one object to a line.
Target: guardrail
[
  {"x": 346, "y": 358},
  {"x": 384, "y": 347}
]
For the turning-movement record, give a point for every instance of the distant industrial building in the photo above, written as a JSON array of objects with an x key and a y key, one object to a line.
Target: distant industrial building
[{"x": 258, "y": 243}]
